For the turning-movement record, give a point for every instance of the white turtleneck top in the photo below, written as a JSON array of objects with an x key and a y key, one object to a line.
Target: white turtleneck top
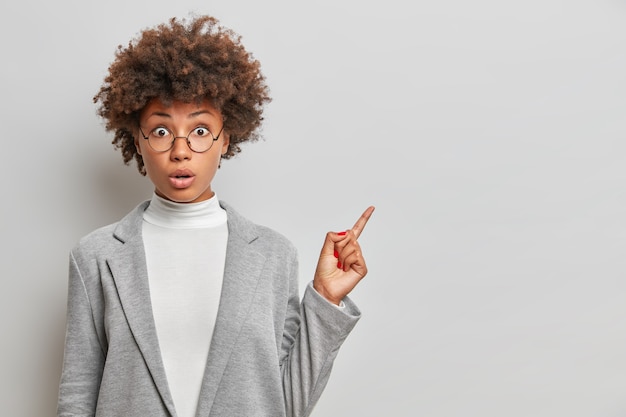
[{"x": 185, "y": 248}]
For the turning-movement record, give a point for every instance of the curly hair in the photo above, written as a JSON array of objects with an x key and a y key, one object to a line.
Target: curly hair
[{"x": 184, "y": 61}]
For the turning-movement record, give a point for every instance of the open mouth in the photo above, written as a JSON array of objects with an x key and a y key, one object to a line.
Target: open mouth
[
  {"x": 182, "y": 173},
  {"x": 181, "y": 178}
]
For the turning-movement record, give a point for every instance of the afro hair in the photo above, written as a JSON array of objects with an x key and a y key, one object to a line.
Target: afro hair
[{"x": 187, "y": 61}]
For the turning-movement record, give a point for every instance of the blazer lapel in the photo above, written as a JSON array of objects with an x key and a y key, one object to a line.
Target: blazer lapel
[
  {"x": 241, "y": 272},
  {"x": 130, "y": 274}
]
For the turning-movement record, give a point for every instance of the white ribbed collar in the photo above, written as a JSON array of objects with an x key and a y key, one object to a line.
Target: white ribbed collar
[{"x": 166, "y": 213}]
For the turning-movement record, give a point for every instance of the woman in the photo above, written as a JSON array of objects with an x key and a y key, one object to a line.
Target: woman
[{"x": 185, "y": 308}]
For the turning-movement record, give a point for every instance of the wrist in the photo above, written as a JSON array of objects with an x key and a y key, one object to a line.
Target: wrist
[{"x": 322, "y": 291}]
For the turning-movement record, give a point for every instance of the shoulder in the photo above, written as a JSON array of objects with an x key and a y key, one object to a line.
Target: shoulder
[
  {"x": 259, "y": 235},
  {"x": 95, "y": 238},
  {"x": 107, "y": 238}
]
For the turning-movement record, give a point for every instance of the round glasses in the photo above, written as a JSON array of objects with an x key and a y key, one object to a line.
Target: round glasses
[{"x": 199, "y": 140}]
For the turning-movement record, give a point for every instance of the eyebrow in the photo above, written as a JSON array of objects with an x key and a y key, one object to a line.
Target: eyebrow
[{"x": 190, "y": 116}]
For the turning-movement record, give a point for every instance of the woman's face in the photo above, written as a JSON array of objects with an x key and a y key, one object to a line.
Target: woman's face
[{"x": 180, "y": 174}]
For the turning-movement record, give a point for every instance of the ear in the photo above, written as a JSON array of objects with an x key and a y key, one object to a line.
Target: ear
[
  {"x": 137, "y": 145},
  {"x": 226, "y": 142}
]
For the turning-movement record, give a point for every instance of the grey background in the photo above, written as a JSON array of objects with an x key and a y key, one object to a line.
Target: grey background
[{"x": 488, "y": 134}]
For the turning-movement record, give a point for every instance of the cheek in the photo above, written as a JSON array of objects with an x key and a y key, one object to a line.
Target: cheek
[
  {"x": 151, "y": 164},
  {"x": 211, "y": 165}
]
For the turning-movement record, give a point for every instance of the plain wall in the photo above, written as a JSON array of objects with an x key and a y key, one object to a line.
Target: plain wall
[{"x": 488, "y": 134}]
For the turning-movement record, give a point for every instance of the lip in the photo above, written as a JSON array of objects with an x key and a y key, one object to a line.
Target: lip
[{"x": 181, "y": 178}]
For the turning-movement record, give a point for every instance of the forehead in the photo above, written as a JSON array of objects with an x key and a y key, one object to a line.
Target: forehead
[{"x": 178, "y": 110}]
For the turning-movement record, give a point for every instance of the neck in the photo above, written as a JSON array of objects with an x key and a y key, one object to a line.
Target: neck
[{"x": 166, "y": 213}]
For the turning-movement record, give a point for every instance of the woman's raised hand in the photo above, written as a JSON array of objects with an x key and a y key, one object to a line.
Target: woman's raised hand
[{"x": 341, "y": 264}]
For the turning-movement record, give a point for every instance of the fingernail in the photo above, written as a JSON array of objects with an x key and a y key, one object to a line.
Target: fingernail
[
  {"x": 341, "y": 233},
  {"x": 336, "y": 254},
  {"x": 339, "y": 265}
]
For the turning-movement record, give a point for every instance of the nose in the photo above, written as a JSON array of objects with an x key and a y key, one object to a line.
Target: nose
[{"x": 180, "y": 149}]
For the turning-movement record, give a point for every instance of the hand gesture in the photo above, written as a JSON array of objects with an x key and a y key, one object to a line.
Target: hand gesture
[{"x": 341, "y": 265}]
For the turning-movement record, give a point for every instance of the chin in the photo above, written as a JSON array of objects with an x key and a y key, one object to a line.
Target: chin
[{"x": 184, "y": 196}]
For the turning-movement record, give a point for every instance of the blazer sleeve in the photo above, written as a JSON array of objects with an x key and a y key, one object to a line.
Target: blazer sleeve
[
  {"x": 314, "y": 331},
  {"x": 84, "y": 354}
]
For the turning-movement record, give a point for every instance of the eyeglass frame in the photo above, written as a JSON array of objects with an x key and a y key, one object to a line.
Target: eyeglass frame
[{"x": 215, "y": 139}]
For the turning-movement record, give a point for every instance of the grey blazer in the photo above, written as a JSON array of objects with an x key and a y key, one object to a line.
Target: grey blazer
[{"x": 271, "y": 354}]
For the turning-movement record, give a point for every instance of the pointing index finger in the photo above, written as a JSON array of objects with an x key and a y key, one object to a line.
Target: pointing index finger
[{"x": 360, "y": 224}]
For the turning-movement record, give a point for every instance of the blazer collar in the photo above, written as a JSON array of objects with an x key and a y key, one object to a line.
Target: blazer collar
[
  {"x": 129, "y": 227},
  {"x": 241, "y": 272},
  {"x": 130, "y": 274}
]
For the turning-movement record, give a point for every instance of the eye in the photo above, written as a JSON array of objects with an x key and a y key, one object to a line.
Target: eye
[
  {"x": 160, "y": 132},
  {"x": 201, "y": 131}
]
